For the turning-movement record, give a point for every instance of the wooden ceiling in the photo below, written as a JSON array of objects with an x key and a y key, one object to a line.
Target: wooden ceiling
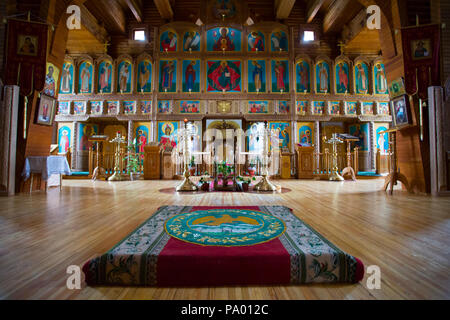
[{"x": 112, "y": 18}]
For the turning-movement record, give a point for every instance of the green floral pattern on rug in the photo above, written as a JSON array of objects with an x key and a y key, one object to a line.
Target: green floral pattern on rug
[{"x": 225, "y": 227}]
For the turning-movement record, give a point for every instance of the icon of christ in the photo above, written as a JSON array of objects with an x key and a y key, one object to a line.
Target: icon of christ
[{"x": 225, "y": 77}]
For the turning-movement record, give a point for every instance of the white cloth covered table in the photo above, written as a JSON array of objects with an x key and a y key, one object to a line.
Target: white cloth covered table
[{"x": 46, "y": 166}]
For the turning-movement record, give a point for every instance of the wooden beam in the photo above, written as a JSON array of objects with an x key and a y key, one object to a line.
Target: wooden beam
[
  {"x": 164, "y": 8},
  {"x": 136, "y": 8},
  {"x": 336, "y": 13},
  {"x": 283, "y": 8},
  {"x": 91, "y": 24},
  {"x": 115, "y": 11},
  {"x": 312, "y": 8},
  {"x": 352, "y": 28}
]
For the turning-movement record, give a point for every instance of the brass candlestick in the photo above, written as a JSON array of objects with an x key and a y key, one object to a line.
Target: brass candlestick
[
  {"x": 335, "y": 176},
  {"x": 187, "y": 184},
  {"x": 265, "y": 185},
  {"x": 118, "y": 140}
]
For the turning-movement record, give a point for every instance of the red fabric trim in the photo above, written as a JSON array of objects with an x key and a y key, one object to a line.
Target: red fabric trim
[
  {"x": 359, "y": 270},
  {"x": 87, "y": 277},
  {"x": 181, "y": 263},
  {"x": 226, "y": 207}
]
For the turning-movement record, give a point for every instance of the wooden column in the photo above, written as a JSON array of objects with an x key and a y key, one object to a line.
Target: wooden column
[{"x": 8, "y": 130}]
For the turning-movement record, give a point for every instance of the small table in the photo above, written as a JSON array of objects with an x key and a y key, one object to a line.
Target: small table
[{"x": 46, "y": 166}]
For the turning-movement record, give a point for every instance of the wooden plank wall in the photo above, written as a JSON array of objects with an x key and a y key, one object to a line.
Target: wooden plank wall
[{"x": 39, "y": 137}]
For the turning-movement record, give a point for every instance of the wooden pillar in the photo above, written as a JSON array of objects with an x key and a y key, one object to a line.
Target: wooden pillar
[{"x": 8, "y": 131}]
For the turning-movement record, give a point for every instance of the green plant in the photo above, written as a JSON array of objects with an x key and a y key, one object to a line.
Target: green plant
[
  {"x": 224, "y": 168},
  {"x": 245, "y": 180},
  {"x": 134, "y": 159},
  {"x": 192, "y": 163}
]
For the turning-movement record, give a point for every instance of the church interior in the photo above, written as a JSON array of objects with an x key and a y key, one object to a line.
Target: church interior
[{"x": 224, "y": 149}]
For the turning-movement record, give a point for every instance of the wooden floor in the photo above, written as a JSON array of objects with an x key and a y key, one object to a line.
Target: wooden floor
[{"x": 407, "y": 236}]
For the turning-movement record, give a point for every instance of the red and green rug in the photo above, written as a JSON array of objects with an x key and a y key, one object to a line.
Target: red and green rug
[{"x": 213, "y": 246}]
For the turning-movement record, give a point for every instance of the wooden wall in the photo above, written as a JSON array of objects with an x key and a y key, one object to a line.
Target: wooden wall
[
  {"x": 413, "y": 154},
  {"x": 39, "y": 137}
]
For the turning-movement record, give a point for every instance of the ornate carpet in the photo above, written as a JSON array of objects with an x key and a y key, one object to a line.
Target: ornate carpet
[{"x": 212, "y": 246}]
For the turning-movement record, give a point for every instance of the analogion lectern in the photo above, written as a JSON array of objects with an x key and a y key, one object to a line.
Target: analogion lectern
[
  {"x": 395, "y": 175},
  {"x": 99, "y": 172}
]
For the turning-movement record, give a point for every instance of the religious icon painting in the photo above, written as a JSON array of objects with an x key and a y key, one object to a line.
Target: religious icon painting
[
  {"x": 164, "y": 106},
  {"x": 191, "y": 76},
  {"x": 258, "y": 107},
  {"x": 129, "y": 107},
  {"x": 124, "y": 76},
  {"x": 96, "y": 107},
  {"x": 305, "y": 133},
  {"x": 318, "y": 107},
  {"x": 168, "y": 76},
  {"x": 64, "y": 138},
  {"x": 303, "y": 77},
  {"x": 223, "y": 76},
  {"x": 67, "y": 78},
  {"x": 382, "y": 139},
  {"x": 379, "y": 79},
  {"x": 342, "y": 74},
  {"x": 323, "y": 77},
  {"x": 397, "y": 88},
  {"x": 383, "y": 108},
  {"x": 63, "y": 107},
  {"x": 284, "y": 107},
  {"x": 256, "y": 76},
  {"x": 191, "y": 41},
  {"x": 421, "y": 49},
  {"x": 189, "y": 106},
  {"x": 46, "y": 110},
  {"x": 223, "y": 39},
  {"x": 351, "y": 107},
  {"x": 167, "y": 134},
  {"x": 335, "y": 107},
  {"x": 141, "y": 134},
  {"x": 254, "y": 140},
  {"x": 168, "y": 41},
  {"x": 400, "y": 110},
  {"x": 104, "y": 79},
  {"x": 79, "y": 107},
  {"x": 85, "y": 77},
  {"x": 367, "y": 108},
  {"x": 280, "y": 76},
  {"x": 222, "y": 9},
  {"x": 113, "y": 107},
  {"x": 361, "y": 78},
  {"x": 51, "y": 80},
  {"x": 256, "y": 41},
  {"x": 283, "y": 132},
  {"x": 144, "y": 77},
  {"x": 146, "y": 106},
  {"x": 279, "y": 41},
  {"x": 301, "y": 107},
  {"x": 85, "y": 131},
  {"x": 362, "y": 132},
  {"x": 27, "y": 45}
]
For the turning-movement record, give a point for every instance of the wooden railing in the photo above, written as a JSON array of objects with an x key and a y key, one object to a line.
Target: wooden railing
[
  {"x": 107, "y": 161},
  {"x": 323, "y": 162},
  {"x": 203, "y": 163}
]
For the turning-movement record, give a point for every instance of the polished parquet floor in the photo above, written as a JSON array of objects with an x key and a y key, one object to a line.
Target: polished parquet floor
[{"x": 407, "y": 236}]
